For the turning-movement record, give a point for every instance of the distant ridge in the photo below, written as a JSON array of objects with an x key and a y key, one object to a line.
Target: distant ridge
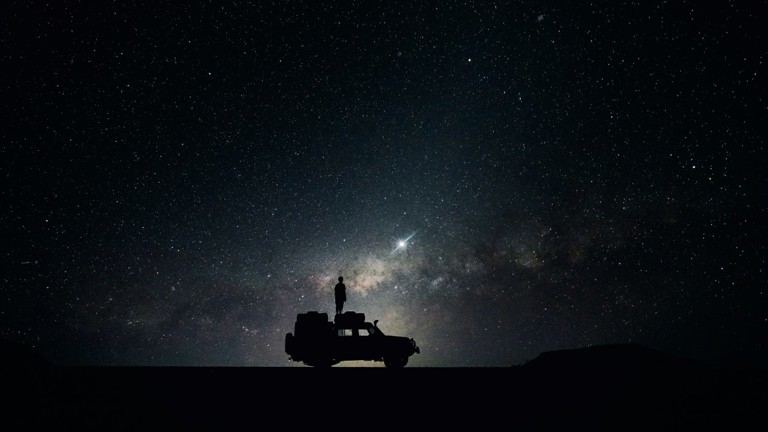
[
  {"x": 630, "y": 357},
  {"x": 14, "y": 354}
]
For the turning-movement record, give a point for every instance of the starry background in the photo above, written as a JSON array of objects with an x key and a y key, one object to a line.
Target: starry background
[{"x": 179, "y": 181}]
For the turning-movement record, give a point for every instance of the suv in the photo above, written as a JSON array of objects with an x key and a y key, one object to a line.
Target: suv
[{"x": 316, "y": 341}]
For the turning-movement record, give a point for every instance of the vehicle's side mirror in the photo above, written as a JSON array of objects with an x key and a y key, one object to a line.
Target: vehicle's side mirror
[{"x": 374, "y": 323}]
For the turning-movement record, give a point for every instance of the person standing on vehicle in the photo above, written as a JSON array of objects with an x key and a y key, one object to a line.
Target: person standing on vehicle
[{"x": 341, "y": 295}]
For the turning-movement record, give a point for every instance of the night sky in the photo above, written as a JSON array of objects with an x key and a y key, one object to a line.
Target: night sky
[{"x": 179, "y": 182}]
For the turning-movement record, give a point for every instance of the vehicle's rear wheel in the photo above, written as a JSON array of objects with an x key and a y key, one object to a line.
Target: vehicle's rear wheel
[
  {"x": 321, "y": 362},
  {"x": 395, "y": 362}
]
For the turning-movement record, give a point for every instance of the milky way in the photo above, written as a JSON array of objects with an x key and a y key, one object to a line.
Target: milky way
[{"x": 181, "y": 181}]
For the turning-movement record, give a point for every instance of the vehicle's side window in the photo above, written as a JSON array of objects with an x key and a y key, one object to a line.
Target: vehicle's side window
[{"x": 345, "y": 332}]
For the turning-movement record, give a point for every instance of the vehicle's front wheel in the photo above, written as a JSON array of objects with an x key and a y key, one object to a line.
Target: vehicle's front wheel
[
  {"x": 321, "y": 362},
  {"x": 395, "y": 362}
]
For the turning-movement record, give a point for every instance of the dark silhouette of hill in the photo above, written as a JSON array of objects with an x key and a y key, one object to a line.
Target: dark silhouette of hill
[
  {"x": 26, "y": 379},
  {"x": 613, "y": 387},
  {"x": 647, "y": 389},
  {"x": 14, "y": 354},
  {"x": 24, "y": 371},
  {"x": 616, "y": 356},
  {"x": 634, "y": 366}
]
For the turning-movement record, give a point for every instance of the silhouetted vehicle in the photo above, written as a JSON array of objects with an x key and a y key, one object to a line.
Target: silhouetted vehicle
[{"x": 316, "y": 341}]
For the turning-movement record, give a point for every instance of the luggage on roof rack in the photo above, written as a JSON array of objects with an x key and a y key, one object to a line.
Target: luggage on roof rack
[{"x": 349, "y": 319}]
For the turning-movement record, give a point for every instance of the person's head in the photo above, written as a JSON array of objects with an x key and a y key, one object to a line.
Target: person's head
[{"x": 341, "y": 278}]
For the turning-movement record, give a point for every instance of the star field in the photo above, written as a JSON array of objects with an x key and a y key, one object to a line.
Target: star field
[{"x": 493, "y": 179}]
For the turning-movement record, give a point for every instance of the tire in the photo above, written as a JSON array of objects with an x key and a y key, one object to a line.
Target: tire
[
  {"x": 395, "y": 362},
  {"x": 321, "y": 363}
]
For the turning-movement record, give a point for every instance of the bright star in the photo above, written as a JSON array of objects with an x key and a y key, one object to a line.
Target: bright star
[{"x": 402, "y": 243}]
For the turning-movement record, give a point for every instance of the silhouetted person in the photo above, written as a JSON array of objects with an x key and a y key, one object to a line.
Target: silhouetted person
[{"x": 341, "y": 295}]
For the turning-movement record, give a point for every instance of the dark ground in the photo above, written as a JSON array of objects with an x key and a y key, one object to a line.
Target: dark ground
[{"x": 610, "y": 387}]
